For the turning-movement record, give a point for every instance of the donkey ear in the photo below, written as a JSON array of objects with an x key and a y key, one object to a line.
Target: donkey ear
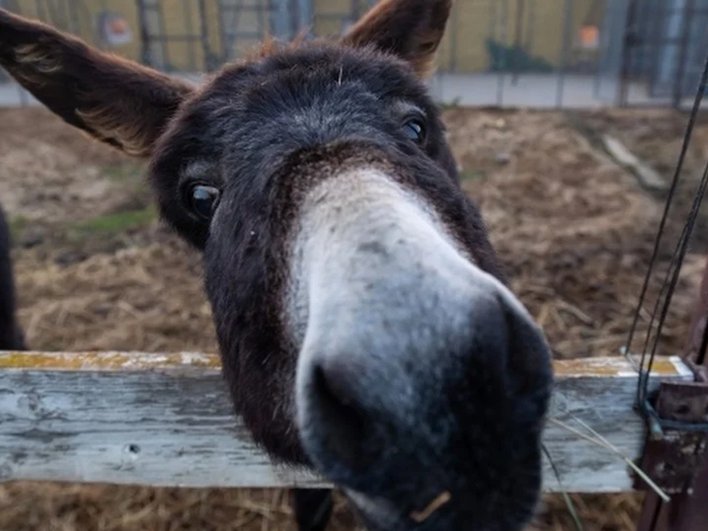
[
  {"x": 117, "y": 101},
  {"x": 411, "y": 29}
]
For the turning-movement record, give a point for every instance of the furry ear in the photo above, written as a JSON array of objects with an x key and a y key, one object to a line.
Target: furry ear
[
  {"x": 411, "y": 29},
  {"x": 117, "y": 101}
]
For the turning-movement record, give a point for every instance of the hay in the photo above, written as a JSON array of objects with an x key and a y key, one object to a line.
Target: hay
[
  {"x": 573, "y": 229},
  {"x": 574, "y": 232}
]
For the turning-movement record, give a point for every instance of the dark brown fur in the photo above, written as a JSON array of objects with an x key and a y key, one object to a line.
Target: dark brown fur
[
  {"x": 115, "y": 100},
  {"x": 11, "y": 337},
  {"x": 413, "y": 33}
]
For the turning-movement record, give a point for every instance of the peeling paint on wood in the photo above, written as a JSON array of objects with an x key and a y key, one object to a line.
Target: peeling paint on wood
[
  {"x": 107, "y": 361},
  {"x": 165, "y": 419},
  {"x": 618, "y": 367},
  {"x": 129, "y": 361}
]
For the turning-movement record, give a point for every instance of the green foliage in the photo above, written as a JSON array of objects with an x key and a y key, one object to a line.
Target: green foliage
[
  {"x": 17, "y": 225},
  {"x": 454, "y": 104},
  {"x": 473, "y": 175},
  {"x": 125, "y": 171},
  {"x": 117, "y": 222}
]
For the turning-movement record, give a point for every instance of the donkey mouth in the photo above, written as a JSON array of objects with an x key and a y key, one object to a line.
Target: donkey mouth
[{"x": 441, "y": 513}]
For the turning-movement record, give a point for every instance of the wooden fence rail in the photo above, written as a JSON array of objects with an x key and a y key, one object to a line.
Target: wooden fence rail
[{"x": 165, "y": 419}]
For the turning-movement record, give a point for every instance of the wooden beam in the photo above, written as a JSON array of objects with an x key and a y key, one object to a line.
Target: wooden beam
[{"x": 165, "y": 419}]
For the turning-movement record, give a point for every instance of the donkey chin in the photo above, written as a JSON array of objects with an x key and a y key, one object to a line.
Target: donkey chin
[{"x": 421, "y": 382}]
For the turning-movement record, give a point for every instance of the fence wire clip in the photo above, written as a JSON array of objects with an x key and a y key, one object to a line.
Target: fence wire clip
[{"x": 676, "y": 448}]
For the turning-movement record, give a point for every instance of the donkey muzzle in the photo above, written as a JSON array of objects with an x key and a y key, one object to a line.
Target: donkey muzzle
[{"x": 419, "y": 374}]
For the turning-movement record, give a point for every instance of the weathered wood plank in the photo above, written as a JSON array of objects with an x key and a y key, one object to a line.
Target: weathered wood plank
[{"x": 165, "y": 419}]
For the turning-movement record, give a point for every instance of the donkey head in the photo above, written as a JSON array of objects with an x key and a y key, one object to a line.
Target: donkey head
[{"x": 362, "y": 323}]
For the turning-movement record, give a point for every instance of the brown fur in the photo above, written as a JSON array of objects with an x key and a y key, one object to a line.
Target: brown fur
[
  {"x": 410, "y": 29},
  {"x": 117, "y": 101}
]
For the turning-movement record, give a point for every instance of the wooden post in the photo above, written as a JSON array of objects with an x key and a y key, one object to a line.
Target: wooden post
[{"x": 694, "y": 345}]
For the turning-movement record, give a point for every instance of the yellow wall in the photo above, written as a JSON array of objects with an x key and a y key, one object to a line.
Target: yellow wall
[
  {"x": 177, "y": 20},
  {"x": 463, "y": 48},
  {"x": 130, "y": 12},
  {"x": 473, "y": 22},
  {"x": 326, "y": 16},
  {"x": 85, "y": 24}
]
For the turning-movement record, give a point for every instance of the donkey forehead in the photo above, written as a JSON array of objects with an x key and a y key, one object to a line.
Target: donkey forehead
[
  {"x": 304, "y": 88},
  {"x": 321, "y": 63}
]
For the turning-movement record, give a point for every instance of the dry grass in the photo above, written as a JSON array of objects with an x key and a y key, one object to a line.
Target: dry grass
[{"x": 573, "y": 230}]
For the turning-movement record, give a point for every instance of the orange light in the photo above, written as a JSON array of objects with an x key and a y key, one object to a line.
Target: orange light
[
  {"x": 590, "y": 37},
  {"x": 118, "y": 26}
]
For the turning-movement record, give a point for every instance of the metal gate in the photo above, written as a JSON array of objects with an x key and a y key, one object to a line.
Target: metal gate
[
  {"x": 196, "y": 35},
  {"x": 529, "y": 53},
  {"x": 201, "y": 35},
  {"x": 665, "y": 45}
]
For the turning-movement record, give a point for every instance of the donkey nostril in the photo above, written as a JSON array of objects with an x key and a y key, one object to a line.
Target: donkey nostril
[
  {"x": 335, "y": 397},
  {"x": 341, "y": 420},
  {"x": 333, "y": 386}
]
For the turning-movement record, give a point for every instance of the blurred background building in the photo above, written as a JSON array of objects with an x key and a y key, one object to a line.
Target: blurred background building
[{"x": 537, "y": 53}]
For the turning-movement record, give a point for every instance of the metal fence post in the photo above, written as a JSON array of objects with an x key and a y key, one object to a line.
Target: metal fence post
[
  {"x": 688, "y": 509},
  {"x": 688, "y": 12},
  {"x": 279, "y": 20},
  {"x": 567, "y": 43},
  {"x": 145, "y": 47},
  {"x": 301, "y": 13},
  {"x": 210, "y": 62},
  {"x": 627, "y": 46}
]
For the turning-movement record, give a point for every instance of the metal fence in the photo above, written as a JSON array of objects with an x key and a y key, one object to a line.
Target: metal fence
[
  {"x": 667, "y": 43},
  {"x": 532, "y": 53}
]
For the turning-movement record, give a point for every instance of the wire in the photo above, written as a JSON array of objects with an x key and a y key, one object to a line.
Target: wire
[
  {"x": 669, "y": 200},
  {"x": 668, "y": 286},
  {"x": 677, "y": 262}
]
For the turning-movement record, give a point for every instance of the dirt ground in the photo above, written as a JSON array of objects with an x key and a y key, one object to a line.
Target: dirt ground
[{"x": 97, "y": 270}]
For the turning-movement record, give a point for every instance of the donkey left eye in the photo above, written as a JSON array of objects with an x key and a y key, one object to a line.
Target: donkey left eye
[
  {"x": 414, "y": 130},
  {"x": 203, "y": 200}
]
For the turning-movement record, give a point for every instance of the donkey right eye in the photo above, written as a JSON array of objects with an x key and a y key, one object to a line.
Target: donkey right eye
[
  {"x": 414, "y": 129},
  {"x": 203, "y": 200}
]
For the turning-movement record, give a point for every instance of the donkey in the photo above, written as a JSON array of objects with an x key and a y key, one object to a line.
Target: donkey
[
  {"x": 362, "y": 318},
  {"x": 11, "y": 336}
]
